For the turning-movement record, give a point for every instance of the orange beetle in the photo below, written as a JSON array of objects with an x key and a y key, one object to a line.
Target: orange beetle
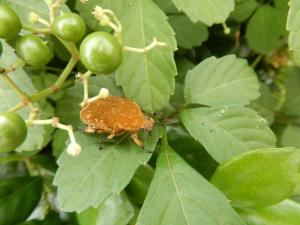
[{"x": 115, "y": 115}]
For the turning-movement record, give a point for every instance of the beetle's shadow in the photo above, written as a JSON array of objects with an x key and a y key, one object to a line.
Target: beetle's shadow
[{"x": 103, "y": 140}]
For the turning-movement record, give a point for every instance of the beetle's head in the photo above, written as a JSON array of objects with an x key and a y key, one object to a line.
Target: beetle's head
[{"x": 148, "y": 124}]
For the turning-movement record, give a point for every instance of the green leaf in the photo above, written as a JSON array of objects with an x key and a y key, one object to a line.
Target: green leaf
[
  {"x": 68, "y": 107},
  {"x": 52, "y": 218},
  {"x": 44, "y": 80},
  {"x": 23, "y": 8},
  {"x": 32, "y": 222},
  {"x": 12, "y": 169},
  {"x": 191, "y": 150},
  {"x": 226, "y": 132},
  {"x": 265, "y": 105},
  {"x": 296, "y": 191},
  {"x": 259, "y": 178},
  {"x": 178, "y": 195},
  {"x": 284, "y": 213},
  {"x": 282, "y": 8},
  {"x": 243, "y": 9},
  {"x": 177, "y": 99},
  {"x": 291, "y": 106},
  {"x": 35, "y": 136},
  {"x": 293, "y": 26},
  {"x": 116, "y": 210},
  {"x": 223, "y": 81},
  {"x": 18, "y": 198},
  {"x": 60, "y": 138},
  {"x": 60, "y": 50},
  {"x": 138, "y": 187},
  {"x": 206, "y": 11},
  {"x": 183, "y": 66},
  {"x": 148, "y": 79},
  {"x": 167, "y": 6},
  {"x": 101, "y": 172},
  {"x": 290, "y": 137},
  {"x": 262, "y": 30},
  {"x": 86, "y": 9},
  {"x": 188, "y": 34}
]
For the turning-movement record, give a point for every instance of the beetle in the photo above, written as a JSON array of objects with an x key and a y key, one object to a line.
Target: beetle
[{"x": 115, "y": 115}]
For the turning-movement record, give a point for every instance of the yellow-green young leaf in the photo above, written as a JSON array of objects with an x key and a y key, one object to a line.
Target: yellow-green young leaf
[
  {"x": 116, "y": 210},
  {"x": 228, "y": 131},
  {"x": 296, "y": 191},
  {"x": 188, "y": 34},
  {"x": 206, "y": 11},
  {"x": 100, "y": 170},
  {"x": 178, "y": 195},
  {"x": 284, "y": 213},
  {"x": 293, "y": 26},
  {"x": 148, "y": 79},
  {"x": 8, "y": 98},
  {"x": 18, "y": 198},
  {"x": 262, "y": 30},
  {"x": 259, "y": 178},
  {"x": 223, "y": 81}
]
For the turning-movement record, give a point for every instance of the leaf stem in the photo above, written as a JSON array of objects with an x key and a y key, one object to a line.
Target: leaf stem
[
  {"x": 21, "y": 94},
  {"x": 36, "y": 30},
  {"x": 59, "y": 82},
  {"x": 152, "y": 45},
  {"x": 14, "y": 87},
  {"x": 256, "y": 61},
  {"x": 12, "y": 157},
  {"x": 164, "y": 137}
]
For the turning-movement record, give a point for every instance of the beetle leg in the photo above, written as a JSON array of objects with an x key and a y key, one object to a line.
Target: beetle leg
[
  {"x": 111, "y": 136},
  {"x": 115, "y": 131},
  {"x": 136, "y": 140}
]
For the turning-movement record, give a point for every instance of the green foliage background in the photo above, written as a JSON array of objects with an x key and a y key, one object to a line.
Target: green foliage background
[{"x": 225, "y": 148}]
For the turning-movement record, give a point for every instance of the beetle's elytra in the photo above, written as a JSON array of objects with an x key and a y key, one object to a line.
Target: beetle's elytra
[{"x": 114, "y": 115}]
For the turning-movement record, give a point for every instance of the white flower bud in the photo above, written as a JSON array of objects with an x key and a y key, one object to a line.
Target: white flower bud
[
  {"x": 33, "y": 17},
  {"x": 74, "y": 149},
  {"x": 103, "y": 93}
]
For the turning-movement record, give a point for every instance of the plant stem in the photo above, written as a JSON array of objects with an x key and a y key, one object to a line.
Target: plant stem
[
  {"x": 16, "y": 156},
  {"x": 256, "y": 61},
  {"x": 36, "y": 30},
  {"x": 53, "y": 88},
  {"x": 14, "y": 87},
  {"x": 50, "y": 90},
  {"x": 22, "y": 95}
]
